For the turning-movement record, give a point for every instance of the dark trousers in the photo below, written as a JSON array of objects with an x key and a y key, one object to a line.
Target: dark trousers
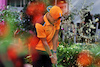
[
  {"x": 1, "y": 64},
  {"x": 43, "y": 60}
]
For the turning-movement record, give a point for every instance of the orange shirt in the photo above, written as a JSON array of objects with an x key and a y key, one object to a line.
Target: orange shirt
[{"x": 46, "y": 31}]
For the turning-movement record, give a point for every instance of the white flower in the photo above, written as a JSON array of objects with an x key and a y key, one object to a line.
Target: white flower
[
  {"x": 71, "y": 34},
  {"x": 8, "y": 7},
  {"x": 69, "y": 29},
  {"x": 87, "y": 25},
  {"x": 81, "y": 29},
  {"x": 67, "y": 36},
  {"x": 85, "y": 39},
  {"x": 61, "y": 46},
  {"x": 81, "y": 34},
  {"x": 96, "y": 20},
  {"x": 89, "y": 30},
  {"x": 67, "y": 51},
  {"x": 90, "y": 21},
  {"x": 92, "y": 26}
]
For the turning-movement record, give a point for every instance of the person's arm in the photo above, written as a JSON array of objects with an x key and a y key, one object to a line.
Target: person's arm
[
  {"x": 46, "y": 46},
  {"x": 55, "y": 41}
]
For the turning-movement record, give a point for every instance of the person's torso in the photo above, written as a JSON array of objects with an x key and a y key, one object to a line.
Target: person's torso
[{"x": 49, "y": 30}]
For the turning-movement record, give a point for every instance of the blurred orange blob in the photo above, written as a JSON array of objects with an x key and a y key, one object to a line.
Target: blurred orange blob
[
  {"x": 15, "y": 49},
  {"x": 3, "y": 29},
  {"x": 37, "y": 19},
  {"x": 30, "y": 8},
  {"x": 63, "y": 4},
  {"x": 84, "y": 59},
  {"x": 59, "y": 3},
  {"x": 35, "y": 8},
  {"x": 33, "y": 41},
  {"x": 41, "y": 8},
  {"x": 12, "y": 54},
  {"x": 18, "y": 63}
]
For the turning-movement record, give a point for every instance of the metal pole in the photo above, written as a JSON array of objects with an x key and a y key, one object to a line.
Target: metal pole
[
  {"x": 55, "y": 2},
  {"x": 24, "y": 2},
  {"x": 75, "y": 35},
  {"x": 20, "y": 3}
]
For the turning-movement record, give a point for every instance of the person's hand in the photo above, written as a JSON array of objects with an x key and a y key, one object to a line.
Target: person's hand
[
  {"x": 55, "y": 56},
  {"x": 54, "y": 59}
]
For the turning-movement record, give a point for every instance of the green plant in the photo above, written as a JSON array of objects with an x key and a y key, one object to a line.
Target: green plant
[
  {"x": 11, "y": 20},
  {"x": 67, "y": 54}
]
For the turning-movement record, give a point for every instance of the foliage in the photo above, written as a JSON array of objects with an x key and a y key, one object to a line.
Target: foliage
[
  {"x": 10, "y": 46},
  {"x": 97, "y": 16},
  {"x": 11, "y": 19},
  {"x": 68, "y": 54},
  {"x": 86, "y": 29},
  {"x": 96, "y": 50}
]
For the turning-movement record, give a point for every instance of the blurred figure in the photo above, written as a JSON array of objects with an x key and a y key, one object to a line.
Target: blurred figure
[
  {"x": 36, "y": 11},
  {"x": 63, "y": 4},
  {"x": 87, "y": 31},
  {"x": 17, "y": 52},
  {"x": 87, "y": 21}
]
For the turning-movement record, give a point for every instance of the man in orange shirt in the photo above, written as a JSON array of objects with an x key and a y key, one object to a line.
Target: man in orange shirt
[{"x": 48, "y": 34}]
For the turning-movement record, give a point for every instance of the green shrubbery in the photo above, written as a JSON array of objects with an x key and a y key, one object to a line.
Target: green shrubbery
[{"x": 67, "y": 54}]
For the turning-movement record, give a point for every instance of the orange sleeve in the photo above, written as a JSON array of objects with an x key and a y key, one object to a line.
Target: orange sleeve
[{"x": 40, "y": 31}]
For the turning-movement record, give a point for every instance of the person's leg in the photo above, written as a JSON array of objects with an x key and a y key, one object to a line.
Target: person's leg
[
  {"x": 39, "y": 59},
  {"x": 1, "y": 64},
  {"x": 38, "y": 62},
  {"x": 43, "y": 60},
  {"x": 47, "y": 61}
]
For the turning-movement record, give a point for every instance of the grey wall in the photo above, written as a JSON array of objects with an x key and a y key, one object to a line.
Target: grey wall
[
  {"x": 96, "y": 6},
  {"x": 78, "y": 4},
  {"x": 95, "y": 10}
]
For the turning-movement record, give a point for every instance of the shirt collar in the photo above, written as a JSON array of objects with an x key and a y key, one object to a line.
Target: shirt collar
[
  {"x": 45, "y": 19},
  {"x": 47, "y": 22}
]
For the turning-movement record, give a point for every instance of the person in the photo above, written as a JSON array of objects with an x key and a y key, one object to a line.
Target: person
[
  {"x": 86, "y": 28},
  {"x": 85, "y": 25},
  {"x": 48, "y": 35}
]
